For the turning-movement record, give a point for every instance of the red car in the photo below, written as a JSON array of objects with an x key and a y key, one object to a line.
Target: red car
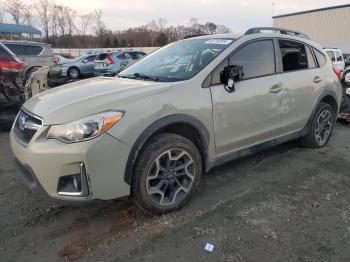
[{"x": 11, "y": 94}]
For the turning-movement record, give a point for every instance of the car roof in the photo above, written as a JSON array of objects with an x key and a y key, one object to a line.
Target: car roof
[
  {"x": 25, "y": 42},
  {"x": 235, "y": 37}
]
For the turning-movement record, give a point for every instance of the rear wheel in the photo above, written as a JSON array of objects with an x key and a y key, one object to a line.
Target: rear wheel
[
  {"x": 167, "y": 173},
  {"x": 73, "y": 73},
  {"x": 321, "y": 127}
]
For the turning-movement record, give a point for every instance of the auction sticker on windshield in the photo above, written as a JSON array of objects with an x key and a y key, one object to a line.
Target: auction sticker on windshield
[{"x": 218, "y": 41}]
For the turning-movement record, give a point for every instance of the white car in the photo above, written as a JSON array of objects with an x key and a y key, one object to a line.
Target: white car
[{"x": 336, "y": 56}]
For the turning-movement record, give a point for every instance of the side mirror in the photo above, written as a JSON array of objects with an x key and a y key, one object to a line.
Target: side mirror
[
  {"x": 230, "y": 75},
  {"x": 85, "y": 61}
]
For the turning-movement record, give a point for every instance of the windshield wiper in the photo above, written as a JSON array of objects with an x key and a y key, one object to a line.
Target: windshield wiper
[{"x": 140, "y": 75}]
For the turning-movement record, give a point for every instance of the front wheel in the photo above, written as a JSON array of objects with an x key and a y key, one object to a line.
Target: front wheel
[
  {"x": 73, "y": 73},
  {"x": 321, "y": 127},
  {"x": 167, "y": 173}
]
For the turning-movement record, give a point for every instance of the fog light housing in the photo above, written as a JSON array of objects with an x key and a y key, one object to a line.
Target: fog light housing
[{"x": 74, "y": 185}]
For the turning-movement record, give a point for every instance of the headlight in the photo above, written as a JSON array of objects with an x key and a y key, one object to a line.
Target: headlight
[
  {"x": 85, "y": 128},
  {"x": 347, "y": 78}
]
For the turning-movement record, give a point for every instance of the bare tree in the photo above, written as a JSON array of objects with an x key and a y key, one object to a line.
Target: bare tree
[
  {"x": 2, "y": 12},
  {"x": 43, "y": 8},
  {"x": 70, "y": 16},
  {"x": 161, "y": 23},
  {"x": 222, "y": 29},
  {"x": 61, "y": 19},
  {"x": 99, "y": 25},
  {"x": 54, "y": 21},
  {"x": 15, "y": 9},
  {"x": 85, "y": 22},
  {"x": 210, "y": 27},
  {"x": 28, "y": 15}
]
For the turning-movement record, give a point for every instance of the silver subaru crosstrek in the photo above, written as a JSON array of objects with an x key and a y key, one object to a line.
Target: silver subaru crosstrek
[{"x": 151, "y": 131}]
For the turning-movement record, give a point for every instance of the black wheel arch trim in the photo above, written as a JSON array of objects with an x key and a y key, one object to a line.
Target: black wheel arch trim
[
  {"x": 158, "y": 125},
  {"x": 325, "y": 93}
]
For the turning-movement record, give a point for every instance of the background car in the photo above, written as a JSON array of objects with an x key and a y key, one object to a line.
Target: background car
[
  {"x": 32, "y": 54},
  {"x": 345, "y": 105},
  {"x": 336, "y": 56},
  {"x": 346, "y": 59},
  {"x": 64, "y": 57},
  {"x": 10, "y": 94},
  {"x": 111, "y": 63},
  {"x": 77, "y": 68}
]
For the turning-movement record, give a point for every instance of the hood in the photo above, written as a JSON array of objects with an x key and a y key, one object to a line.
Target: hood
[{"x": 78, "y": 99}]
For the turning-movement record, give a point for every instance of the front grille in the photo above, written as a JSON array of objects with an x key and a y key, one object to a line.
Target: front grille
[{"x": 26, "y": 126}]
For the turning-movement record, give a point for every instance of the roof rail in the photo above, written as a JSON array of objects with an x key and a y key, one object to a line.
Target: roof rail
[{"x": 256, "y": 30}]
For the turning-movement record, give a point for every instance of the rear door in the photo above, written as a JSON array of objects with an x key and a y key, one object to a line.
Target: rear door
[
  {"x": 251, "y": 114},
  {"x": 303, "y": 83}
]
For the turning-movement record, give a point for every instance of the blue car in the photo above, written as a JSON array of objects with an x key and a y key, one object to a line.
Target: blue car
[
  {"x": 111, "y": 63},
  {"x": 81, "y": 66}
]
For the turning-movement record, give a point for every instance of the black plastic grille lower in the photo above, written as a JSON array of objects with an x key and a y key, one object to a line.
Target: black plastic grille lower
[{"x": 25, "y": 133}]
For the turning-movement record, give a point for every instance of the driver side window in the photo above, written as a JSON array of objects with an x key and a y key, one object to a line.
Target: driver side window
[{"x": 256, "y": 59}]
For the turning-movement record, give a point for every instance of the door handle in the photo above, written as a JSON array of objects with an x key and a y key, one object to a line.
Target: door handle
[
  {"x": 275, "y": 89},
  {"x": 317, "y": 79}
]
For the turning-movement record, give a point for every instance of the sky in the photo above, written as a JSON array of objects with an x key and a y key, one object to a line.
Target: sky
[{"x": 238, "y": 15}]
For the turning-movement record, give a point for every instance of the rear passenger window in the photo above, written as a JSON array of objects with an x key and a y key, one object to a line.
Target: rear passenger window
[
  {"x": 321, "y": 59},
  {"x": 91, "y": 58},
  {"x": 4, "y": 55},
  {"x": 256, "y": 59},
  {"x": 16, "y": 49},
  {"x": 338, "y": 56},
  {"x": 310, "y": 58},
  {"x": 331, "y": 55},
  {"x": 32, "y": 50},
  {"x": 294, "y": 56}
]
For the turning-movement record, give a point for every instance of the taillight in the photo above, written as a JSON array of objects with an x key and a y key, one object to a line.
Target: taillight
[
  {"x": 54, "y": 60},
  {"x": 10, "y": 66},
  {"x": 110, "y": 59},
  {"x": 338, "y": 72}
]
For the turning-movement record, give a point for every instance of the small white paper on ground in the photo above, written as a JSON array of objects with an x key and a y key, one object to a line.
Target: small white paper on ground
[{"x": 209, "y": 247}]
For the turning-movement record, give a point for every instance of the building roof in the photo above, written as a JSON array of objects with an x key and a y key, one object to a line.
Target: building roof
[
  {"x": 313, "y": 10},
  {"x": 19, "y": 29}
]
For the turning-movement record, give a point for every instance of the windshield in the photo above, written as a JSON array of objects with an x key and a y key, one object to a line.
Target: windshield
[{"x": 178, "y": 61}]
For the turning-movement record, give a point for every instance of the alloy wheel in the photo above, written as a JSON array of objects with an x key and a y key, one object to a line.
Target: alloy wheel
[
  {"x": 74, "y": 73},
  {"x": 170, "y": 177},
  {"x": 323, "y": 127}
]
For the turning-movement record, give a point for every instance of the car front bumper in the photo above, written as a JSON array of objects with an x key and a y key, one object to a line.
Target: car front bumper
[{"x": 43, "y": 162}]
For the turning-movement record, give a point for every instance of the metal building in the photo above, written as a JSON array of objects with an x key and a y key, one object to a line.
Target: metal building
[
  {"x": 13, "y": 31},
  {"x": 329, "y": 26}
]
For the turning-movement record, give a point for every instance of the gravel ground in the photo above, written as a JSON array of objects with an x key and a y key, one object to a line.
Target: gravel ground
[{"x": 283, "y": 204}]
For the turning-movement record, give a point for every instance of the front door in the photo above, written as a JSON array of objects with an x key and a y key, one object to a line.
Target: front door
[{"x": 252, "y": 113}]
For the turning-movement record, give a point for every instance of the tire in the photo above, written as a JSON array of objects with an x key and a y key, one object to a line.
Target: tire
[
  {"x": 151, "y": 172},
  {"x": 73, "y": 73},
  {"x": 319, "y": 134}
]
